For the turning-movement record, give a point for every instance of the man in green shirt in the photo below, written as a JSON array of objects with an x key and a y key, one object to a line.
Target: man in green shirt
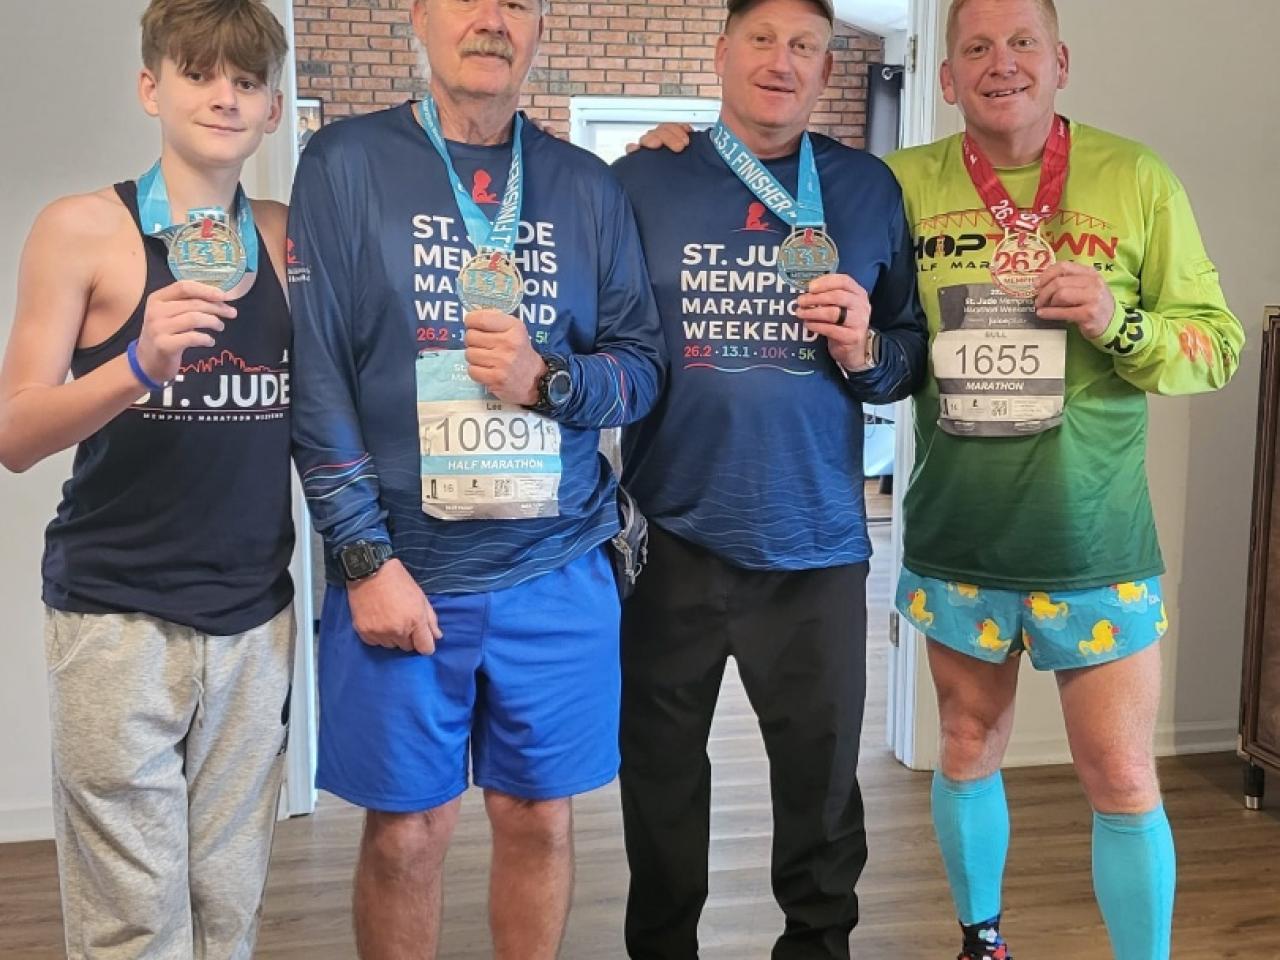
[{"x": 1064, "y": 279}]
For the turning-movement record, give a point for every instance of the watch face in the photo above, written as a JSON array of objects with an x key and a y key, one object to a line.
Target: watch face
[
  {"x": 559, "y": 386},
  {"x": 360, "y": 560},
  {"x": 355, "y": 561}
]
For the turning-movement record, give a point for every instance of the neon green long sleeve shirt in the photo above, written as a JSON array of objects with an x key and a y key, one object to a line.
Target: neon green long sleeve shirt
[{"x": 1067, "y": 508}]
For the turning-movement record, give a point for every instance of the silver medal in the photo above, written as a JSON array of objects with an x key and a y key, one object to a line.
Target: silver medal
[
  {"x": 491, "y": 281},
  {"x": 806, "y": 255},
  {"x": 207, "y": 250}
]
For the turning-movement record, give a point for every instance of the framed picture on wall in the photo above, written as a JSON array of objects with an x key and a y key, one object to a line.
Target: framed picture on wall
[{"x": 310, "y": 119}]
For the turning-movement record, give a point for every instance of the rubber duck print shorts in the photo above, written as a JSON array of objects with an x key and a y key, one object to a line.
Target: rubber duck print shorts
[{"x": 1058, "y": 630}]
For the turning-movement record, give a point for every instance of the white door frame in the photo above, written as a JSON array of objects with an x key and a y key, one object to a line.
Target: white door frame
[{"x": 911, "y": 724}]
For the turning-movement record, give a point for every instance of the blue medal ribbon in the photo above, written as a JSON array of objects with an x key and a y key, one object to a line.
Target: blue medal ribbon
[
  {"x": 157, "y": 217},
  {"x": 500, "y": 235},
  {"x": 802, "y": 211}
]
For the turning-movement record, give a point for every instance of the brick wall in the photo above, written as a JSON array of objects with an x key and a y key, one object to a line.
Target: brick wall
[{"x": 357, "y": 55}]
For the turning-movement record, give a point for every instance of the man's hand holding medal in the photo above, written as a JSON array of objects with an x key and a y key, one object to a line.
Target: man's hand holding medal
[
  {"x": 1075, "y": 293},
  {"x": 836, "y": 307},
  {"x": 501, "y": 358}
]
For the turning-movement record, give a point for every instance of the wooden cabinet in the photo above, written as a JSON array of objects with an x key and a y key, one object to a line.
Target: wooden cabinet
[{"x": 1260, "y": 699}]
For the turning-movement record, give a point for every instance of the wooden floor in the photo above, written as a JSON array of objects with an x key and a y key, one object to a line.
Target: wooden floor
[{"x": 1228, "y": 892}]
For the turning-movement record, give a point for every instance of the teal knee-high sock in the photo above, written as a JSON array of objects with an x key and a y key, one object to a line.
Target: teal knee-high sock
[
  {"x": 1134, "y": 873},
  {"x": 972, "y": 822}
]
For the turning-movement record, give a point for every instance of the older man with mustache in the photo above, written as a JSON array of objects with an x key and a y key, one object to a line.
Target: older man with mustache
[{"x": 471, "y": 308}]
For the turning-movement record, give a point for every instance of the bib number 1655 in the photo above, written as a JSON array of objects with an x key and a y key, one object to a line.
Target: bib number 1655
[{"x": 1001, "y": 360}]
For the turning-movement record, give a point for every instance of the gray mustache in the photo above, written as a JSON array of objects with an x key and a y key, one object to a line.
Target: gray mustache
[{"x": 489, "y": 46}]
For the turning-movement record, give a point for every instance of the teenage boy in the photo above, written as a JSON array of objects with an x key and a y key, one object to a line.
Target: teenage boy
[{"x": 169, "y": 627}]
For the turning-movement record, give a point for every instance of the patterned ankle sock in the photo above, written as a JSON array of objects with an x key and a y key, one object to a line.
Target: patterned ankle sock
[{"x": 982, "y": 941}]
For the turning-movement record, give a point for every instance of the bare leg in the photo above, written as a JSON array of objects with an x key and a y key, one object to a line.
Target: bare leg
[
  {"x": 398, "y": 889},
  {"x": 531, "y": 881},
  {"x": 975, "y": 707},
  {"x": 1110, "y": 712}
]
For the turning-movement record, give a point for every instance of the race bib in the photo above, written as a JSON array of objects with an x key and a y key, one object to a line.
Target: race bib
[
  {"x": 482, "y": 459},
  {"x": 1001, "y": 370}
]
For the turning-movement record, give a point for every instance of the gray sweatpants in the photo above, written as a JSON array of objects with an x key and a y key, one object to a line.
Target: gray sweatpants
[{"x": 168, "y": 755}]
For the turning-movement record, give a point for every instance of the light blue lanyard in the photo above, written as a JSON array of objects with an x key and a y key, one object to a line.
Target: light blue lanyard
[
  {"x": 803, "y": 211},
  {"x": 501, "y": 234},
  {"x": 157, "y": 218}
]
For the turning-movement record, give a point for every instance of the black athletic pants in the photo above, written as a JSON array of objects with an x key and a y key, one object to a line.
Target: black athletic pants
[{"x": 799, "y": 638}]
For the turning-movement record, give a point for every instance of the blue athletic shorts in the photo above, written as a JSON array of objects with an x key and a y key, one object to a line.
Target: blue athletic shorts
[
  {"x": 1059, "y": 630},
  {"x": 525, "y": 684}
]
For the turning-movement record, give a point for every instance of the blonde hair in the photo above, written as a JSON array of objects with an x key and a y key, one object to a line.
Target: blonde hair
[
  {"x": 205, "y": 34},
  {"x": 1048, "y": 10}
]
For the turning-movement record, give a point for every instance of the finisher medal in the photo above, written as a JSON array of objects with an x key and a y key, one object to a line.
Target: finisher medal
[
  {"x": 1018, "y": 261},
  {"x": 207, "y": 250},
  {"x": 1024, "y": 254},
  {"x": 806, "y": 255},
  {"x": 490, "y": 280},
  {"x": 809, "y": 252}
]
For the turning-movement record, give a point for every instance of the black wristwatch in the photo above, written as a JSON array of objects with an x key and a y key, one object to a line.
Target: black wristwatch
[
  {"x": 362, "y": 559},
  {"x": 555, "y": 387}
]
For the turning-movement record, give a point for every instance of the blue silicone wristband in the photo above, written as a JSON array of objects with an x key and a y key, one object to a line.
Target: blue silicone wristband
[{"x": 136, "y": 367}]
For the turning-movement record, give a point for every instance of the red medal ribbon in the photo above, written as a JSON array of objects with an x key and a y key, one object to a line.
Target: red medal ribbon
[{"x": 1053, "y": 181}]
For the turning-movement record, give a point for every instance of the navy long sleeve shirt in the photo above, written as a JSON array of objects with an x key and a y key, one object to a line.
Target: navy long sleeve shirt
[
  {"x": 375, "y": 244},
  {"x": 755, "y": 449}
]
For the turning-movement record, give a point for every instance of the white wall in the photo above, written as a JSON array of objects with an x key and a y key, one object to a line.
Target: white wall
[
  {"x": 65, "y": 131},
  {"x": 71, "y": 123},
  {"x": 1143, "y": 69}
]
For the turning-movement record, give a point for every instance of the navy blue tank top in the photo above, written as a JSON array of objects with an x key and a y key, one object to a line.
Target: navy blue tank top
[{"x": 180, "y": 507}]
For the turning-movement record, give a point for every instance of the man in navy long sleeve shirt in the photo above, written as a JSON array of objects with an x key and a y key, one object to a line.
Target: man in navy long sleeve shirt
[
  {"x": 750, "y": 472},
  {"x": 471, "y": 309}
]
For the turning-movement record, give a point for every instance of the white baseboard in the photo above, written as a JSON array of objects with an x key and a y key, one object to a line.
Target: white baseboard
[
  {"x": 18, "y": 824},
  {"x": 1172, "y": 740},
  {"x": 1185, "y": 739}
]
